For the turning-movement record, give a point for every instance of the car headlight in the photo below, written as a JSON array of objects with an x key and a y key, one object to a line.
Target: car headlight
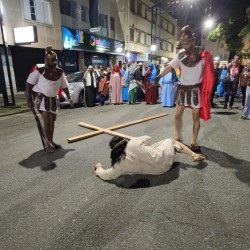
[{"x": 72, "y": 89}]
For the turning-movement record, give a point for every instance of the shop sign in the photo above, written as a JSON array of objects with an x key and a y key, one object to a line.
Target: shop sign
[
  {"x": 80, "y": 40},
  {"x": 25, "y": 35},
  {"x": 142, "y": 57}
]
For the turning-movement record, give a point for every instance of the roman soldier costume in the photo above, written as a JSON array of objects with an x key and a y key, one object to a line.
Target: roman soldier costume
[
  {"x": 42, "y": 87},
  {"x": 197, "y": 76}
]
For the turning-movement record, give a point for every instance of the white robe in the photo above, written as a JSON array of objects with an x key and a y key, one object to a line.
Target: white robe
[{"x": 142, "y": 158}]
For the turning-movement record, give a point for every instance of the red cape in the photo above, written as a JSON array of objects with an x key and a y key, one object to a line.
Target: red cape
[{"x": 207, "y": 85}]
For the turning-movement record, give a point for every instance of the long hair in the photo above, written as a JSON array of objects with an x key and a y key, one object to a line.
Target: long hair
[{"x": 118, "y": 146}]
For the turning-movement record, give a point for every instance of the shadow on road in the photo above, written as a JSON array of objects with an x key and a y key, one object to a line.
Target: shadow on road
[
  {"x": 225, "y": 160},
  {"x": 224, "y": 113},
  {"x": 145, "y": 181},
  {"x": 46, "y": 161}
]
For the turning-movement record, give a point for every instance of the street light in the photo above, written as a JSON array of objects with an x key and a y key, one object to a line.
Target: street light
[
  {"x": 153, "y": 47},
  {"x": 6, "y": 59},
  {"x": 128, "y": 54},
  {"x": 209, "y": 23}
]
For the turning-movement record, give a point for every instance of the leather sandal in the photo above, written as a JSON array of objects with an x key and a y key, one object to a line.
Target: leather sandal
[
  {"x": 57, "y": 146},
  {"x": 198, "y": 157},
  {"x": 195, "y": 148}
]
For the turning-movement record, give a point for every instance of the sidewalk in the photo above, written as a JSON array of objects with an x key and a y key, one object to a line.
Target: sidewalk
[{"x": 21, "y": 105}]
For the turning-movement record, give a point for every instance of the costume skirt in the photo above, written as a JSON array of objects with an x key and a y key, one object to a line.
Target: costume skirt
[
  {"x": 46, "y": 104},
  {"x": 188, "y": 95}
]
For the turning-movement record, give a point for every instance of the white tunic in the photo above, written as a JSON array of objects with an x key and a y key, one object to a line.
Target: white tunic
[
  {"x": 189, "y": 75},
  {"x": 142, "y": 158},
  {"x": 47, "y": 87}
]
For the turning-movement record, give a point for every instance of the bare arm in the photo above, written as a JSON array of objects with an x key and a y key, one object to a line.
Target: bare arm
[
  {"x": 163, "y": 73},
  {"x": 28, "y": 88},
  {"x": 66, "y": 91}
]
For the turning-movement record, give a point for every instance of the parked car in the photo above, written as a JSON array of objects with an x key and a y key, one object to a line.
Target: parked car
[{"x": 76, "y": 90}]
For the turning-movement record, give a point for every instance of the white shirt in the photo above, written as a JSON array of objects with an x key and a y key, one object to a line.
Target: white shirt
[
  {"x": 142, "y": 158},
  {"x": 189, "y": 75},
  {"x": 45, "y": 86}
]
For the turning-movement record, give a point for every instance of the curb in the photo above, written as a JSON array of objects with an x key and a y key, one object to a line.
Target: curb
[{"x": 15, "y": 113}]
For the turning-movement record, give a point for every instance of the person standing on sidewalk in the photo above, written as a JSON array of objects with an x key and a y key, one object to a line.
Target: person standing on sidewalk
[
  {"x": 246, "y": 76},
  {"x": 42, "y": 87},
  {"x": 196, "y": 83},
  {"x": 244, "y": 82},
  {"x": 234, "y": 71}
]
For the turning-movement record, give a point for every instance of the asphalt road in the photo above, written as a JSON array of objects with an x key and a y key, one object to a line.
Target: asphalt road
[{"x": 54, "y": 201}]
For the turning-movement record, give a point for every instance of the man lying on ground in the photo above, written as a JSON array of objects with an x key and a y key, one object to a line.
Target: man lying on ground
[{"x": 138, "y": 156}]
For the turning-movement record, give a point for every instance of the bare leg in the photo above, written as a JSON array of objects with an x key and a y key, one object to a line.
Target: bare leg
[
  {"x": 49, "y": 123},
  {"x": 196, "y": 125},
  {"x": 181, "y": 148},
  {"x": 178, "y": 121}
]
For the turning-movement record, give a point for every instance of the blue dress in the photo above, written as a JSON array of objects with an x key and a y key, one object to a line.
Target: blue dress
[
  {"x": 126, "y": 82},
  {"x": 220, "y": 90},
  {"x": 168, "y": 90}
]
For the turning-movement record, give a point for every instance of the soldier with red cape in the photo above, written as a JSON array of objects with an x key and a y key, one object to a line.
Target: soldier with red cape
[{"x": 196, "y": 83}]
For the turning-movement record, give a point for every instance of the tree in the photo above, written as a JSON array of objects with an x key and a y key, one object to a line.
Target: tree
[
  {"x": 233, "y": 29},
  {"x": 229, "y": 32}
]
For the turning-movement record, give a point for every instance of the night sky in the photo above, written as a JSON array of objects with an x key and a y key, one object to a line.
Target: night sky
[{"x": 219, "y": 10}]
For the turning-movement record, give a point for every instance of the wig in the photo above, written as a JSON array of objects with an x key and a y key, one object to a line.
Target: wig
[{"x": 118, "y": 146}]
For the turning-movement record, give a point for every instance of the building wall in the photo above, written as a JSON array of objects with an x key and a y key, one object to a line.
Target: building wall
[
  {"x": 108, "y": 8},
  {"x": 48, "y": 34},
  {"x": 218, "y": 48},
  {"x": 136, "y": 16}
]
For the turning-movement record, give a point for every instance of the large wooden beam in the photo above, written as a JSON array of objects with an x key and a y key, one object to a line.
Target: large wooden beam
[
  {"x": 104, "y": 130},
  {"x": 98, "y": 132}
]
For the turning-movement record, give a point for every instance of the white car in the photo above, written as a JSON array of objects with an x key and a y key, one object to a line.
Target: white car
[{"x": 76, "y": 90}]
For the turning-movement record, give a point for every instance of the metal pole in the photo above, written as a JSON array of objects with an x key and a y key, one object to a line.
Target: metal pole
[
  {"x": 7, "y": 65},
  {"x": 156, "y": 30},
  {"x": 152, "y": 10},
  {"x": 3, "y": 89}
]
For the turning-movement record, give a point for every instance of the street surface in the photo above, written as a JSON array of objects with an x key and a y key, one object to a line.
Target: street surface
[{"x": 54, "y": 201}]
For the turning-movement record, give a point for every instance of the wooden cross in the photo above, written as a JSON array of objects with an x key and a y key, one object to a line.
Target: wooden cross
[{"x": 109, "y": 130}]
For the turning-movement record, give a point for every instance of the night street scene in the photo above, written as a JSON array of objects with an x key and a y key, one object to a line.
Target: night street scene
[{"x": 124, "y": 124}]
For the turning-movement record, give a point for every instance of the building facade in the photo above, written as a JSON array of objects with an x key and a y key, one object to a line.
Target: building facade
[
  {"x": 147, "y": 25},
  {"x": 133, "y": 26},
  {"x": 218, "y": 49}
]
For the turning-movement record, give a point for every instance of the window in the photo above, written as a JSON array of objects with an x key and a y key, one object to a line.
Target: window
[
  {"x": 163, "y": 45},
  {"x": 112, "y": 23},
  {"x": 148, "y": 14},
  {"x": 32, "y": 10},
  {"x": 222, "y": 45},
  {"x": 132, "y": 35},
  {"x": 38, "y": 10},
  {"x": 85, "y": 13},
  {"x": 171, "y": 28},
  {"x": 104, "y": 21},
  {"x": 132, "y": 5},
  {"x": 170, "y": 47},
  {"x": 68, "y": 8},
  {"x": 148, "y": 40},
  {"x": 138, "y": 37},
  {"x": 139, "y": 8},
  {"x": 154, "y": 18}
]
